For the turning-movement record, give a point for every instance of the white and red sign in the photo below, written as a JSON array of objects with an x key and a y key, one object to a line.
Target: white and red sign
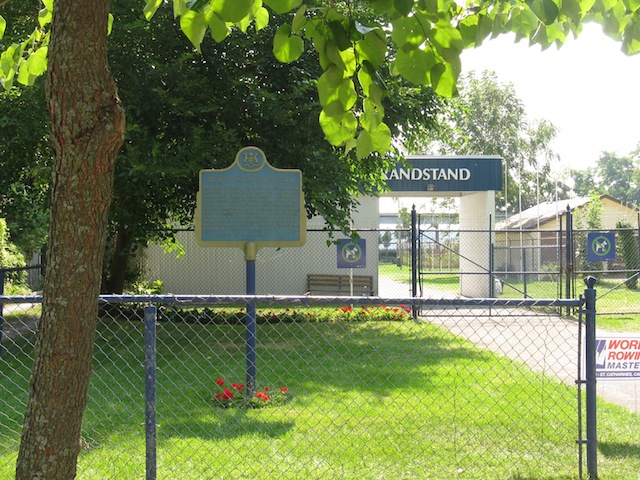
[{"x": 617, "y": 356}]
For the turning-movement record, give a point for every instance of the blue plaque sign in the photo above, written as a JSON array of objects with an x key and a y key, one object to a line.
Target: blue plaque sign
[
  {"x": 446, "y": 174},
  {"x": 250, "y": 201}
]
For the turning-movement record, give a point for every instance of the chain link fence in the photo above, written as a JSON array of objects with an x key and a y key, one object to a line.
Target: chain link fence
[{"x": 346, "y": 388}]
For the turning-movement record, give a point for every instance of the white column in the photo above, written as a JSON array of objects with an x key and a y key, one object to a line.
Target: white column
[{"x": 476, "y": 209}]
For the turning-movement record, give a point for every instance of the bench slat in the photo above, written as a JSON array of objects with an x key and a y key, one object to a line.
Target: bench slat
[{"x": 320, "y": 283}]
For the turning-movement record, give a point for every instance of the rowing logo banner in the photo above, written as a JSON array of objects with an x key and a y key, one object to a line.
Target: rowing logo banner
[{"x": 617, "y": 356}]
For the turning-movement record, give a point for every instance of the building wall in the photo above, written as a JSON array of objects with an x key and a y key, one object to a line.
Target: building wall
[
  {"x": 612, "y": 212},
  {"x": 221, "y": 271}
]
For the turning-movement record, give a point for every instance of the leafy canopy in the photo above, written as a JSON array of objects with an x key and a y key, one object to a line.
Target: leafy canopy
[{"x": 428, "y": 37}]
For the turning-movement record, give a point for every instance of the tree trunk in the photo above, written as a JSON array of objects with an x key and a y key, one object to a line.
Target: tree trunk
[{"x": 87, "y": 132}]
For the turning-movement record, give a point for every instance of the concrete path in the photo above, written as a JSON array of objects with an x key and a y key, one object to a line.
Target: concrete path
[
  {"x": 25, "y": 325},
  {"x": 548, "y": 344}
]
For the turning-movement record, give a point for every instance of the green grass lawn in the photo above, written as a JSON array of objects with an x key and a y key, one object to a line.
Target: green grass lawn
[{"x": 374, "y": 399}]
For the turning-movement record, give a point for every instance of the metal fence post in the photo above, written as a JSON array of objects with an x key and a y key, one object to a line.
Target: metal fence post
[
  {"x": 590, "y": 377},
  {"x": 492, "y": 277},
  {"x": 150, "y": 318},
  {"x": 250, "y": 253},
  {"x": 2, "y": 275},
  {"x": 569, "y": 257},
  {"x": 414, "y": 260}
]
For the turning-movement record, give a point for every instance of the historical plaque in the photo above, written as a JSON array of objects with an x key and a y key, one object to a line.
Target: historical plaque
[{"x": 250, "y": 202}]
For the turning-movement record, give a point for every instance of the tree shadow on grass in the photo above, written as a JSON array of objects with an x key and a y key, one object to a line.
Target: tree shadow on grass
[
  {"x": 232, "y": 423},
  {"x": 619, "y": 449}
]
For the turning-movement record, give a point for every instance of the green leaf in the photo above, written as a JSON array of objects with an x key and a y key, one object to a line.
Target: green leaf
[
  {"x": 571, "y": 8},
  {"x": 194, "y": 26},
  {"x": 219, "y": 28},
  {"x": 3, "y": 26},
  {"x": 339, "y": 35},
  {"x": 24, "y": 76},
  {"x": 343, "y": 59},
  {"x": 7, "y": 81},
  {"x": 179, "y": 8},
  {"x": 382, "y": 6},
  {"x": 44, "y": 17},
  {"x": 546, "y": 10},
  {"x": 365, "y": 79},
  {"x": 378, "y": 140},
  {"x": 372, "y": 115},
  {"x": 524, "y": 22},
  {"x": 197, "y": 5},
  {"x": 381, "y": 139},
  {"x": 408, "y": 31},
  {"x": 415, "y": 65},
  {"x": 444, "y": 77},
  {"x": 447, "y": 37},
  {"x": 334, "y": 109},
  {"x": 364, "y": 144},
  {"x": 232, "y": 10},
  {"x": 286, "y": 47},
  {"x": 616, "y": 21},
  {"x": 262, "y": 18},
  {"x": 403, "y": 7},
  {"x": 632, "y": 5},
  {"x": 37, "y": 62},
  {"x": 469, "y": 30},
  {"x": 631, "y": 38},
  {"x": 373, "y": 47},
  {"x": 283, "y": 6},
  {"x": 338, "y": 130},
  {"x": 299, "y": 19},
  {"x": 109, "y": 24},
  {"x": 48, "y": 4},
  {"x": 150, "y": 8},
  {"x": 333, "y": 86}
]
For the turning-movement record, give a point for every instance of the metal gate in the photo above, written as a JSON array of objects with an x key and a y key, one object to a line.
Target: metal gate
[{"x": 532, "y": 263}]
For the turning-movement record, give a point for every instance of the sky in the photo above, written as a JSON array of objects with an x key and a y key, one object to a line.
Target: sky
[{"x": 588, "y": 89}]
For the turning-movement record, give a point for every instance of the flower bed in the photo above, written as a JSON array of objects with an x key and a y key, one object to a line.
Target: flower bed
[{"x": 238, "y": 397}]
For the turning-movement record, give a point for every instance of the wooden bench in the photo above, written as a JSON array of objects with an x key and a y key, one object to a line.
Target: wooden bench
[{"x": 325, "y": 284}]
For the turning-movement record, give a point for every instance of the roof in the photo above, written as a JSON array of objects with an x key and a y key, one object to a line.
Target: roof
[{"x": 545, "y": 212}]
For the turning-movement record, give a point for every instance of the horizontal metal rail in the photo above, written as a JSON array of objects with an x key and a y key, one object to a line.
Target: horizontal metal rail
[{"x": 311, "y": 300}]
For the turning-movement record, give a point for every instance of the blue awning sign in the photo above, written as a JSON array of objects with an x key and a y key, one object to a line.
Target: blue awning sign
[{"x": 446, "y": 174}]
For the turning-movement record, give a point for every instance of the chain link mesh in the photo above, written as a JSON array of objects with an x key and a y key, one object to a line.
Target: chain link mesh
[{"x": 355, "y": 388}]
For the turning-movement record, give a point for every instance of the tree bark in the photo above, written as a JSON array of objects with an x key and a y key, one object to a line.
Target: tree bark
[{"x": 87, "y": 132}]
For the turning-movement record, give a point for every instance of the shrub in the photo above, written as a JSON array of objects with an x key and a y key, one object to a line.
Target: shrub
[{"x": 628, "y": 242}]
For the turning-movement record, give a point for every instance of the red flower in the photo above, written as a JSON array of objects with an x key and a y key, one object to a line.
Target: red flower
[
  {"x": 237, "y": 386},
  {"x": 262, "y": 396},
  {"x": 284, "y": 389},
  {"x": 227, "y": 394},
  {"x": 266, "y": 389},
  {"x": 220, "y": 381}
]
